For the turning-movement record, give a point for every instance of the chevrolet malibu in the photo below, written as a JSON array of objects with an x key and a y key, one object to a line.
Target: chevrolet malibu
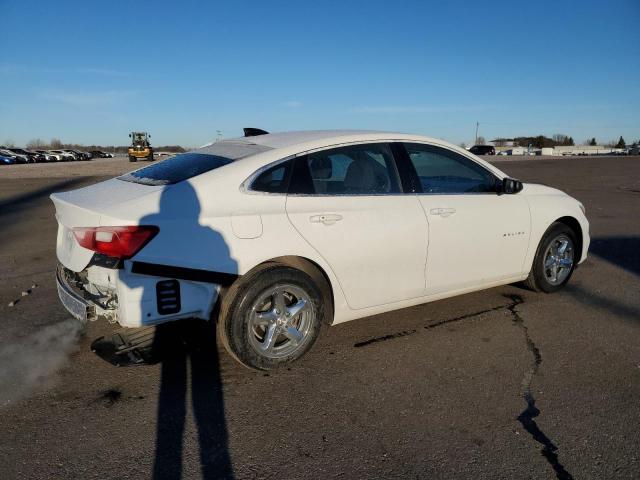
[{"x": 275, "y": 235}]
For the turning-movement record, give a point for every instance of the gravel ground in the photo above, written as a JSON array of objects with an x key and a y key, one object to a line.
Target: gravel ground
[{"x": 504, "y": 383}]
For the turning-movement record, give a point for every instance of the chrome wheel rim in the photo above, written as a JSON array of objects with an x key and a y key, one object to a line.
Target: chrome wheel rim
[
  {"x": 280, "y": 320},
  {"x": 558, "y": 259}
]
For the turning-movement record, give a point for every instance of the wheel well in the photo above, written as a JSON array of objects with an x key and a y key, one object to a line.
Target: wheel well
[
  {"x": 574, "y": 225},
  {"x": 315, "y": 271}
]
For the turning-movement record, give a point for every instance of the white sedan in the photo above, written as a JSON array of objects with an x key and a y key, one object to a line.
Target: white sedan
[{"x": 274, "y": 235}]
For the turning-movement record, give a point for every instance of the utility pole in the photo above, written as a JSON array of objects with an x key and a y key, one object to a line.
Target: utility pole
[{"x": 477, "y": 125}]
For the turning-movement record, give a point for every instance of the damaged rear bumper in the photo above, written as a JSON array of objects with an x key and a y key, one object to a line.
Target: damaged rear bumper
[
  {"x": 75, "y": 304},
  {"x": 133, "y": 299},
  {"x": 78, "y": 302}
]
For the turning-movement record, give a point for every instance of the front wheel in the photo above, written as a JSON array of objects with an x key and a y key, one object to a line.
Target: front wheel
[
  {"x": 555, "y": 259},
  {"x": 132, "y": 159},
  {"x": 271, "y": 317}
]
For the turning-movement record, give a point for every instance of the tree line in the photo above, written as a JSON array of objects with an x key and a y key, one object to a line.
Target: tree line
[
  {"x": 57, "y": 144},
  {"x": 557, "y": 140}
]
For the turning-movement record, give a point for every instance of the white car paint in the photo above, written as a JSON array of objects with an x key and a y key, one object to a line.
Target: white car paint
[
  {"x": 379, "y": 252},
  {"x": 470, "y": 247},
  {"x": 392, "y": 228}
]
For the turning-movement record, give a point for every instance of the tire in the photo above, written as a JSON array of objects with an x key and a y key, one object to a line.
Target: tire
[
  {"x": 541, "y": 277},
  {"x": 259, "y": 321},
  {"x": 132, "y": 159}
]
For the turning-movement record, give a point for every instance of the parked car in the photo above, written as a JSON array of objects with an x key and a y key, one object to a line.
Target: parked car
[
  {"x": 80, "y": 155},
  {"x": 483, "y": 150},
  {"x": 66, "y": 156},
  {"x": 6, "y": 160},
  {"x": 286, "y": 232},
  {"x": 76, "y": 155},
  {"x": 17, "y": 157},
  {"x": 50, "y": 157},
  {"x": 32, "y": 156},
  {"x": 100, "y": 154}
]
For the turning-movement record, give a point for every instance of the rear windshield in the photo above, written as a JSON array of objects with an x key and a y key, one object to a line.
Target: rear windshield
[
  {"x": 176, "y": 169},
  {"x": 188, "y": 165}
]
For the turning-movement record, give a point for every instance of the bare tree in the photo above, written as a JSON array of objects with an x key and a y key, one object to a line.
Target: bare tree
[
  {"x": 9, "y": 144},
  {"x": 55, "y": 143},
  {"x": 480, "y": 141},
  {"x": 463, "y": 145},
  {"x": 559, "y": 138},
  {"x": 35, "y": 143}
]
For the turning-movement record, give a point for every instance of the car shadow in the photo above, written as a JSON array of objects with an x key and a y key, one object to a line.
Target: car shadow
[
  {"x": 621, "y": 251},
  {"x": 186, "y": 349},
  {"x": 18, "y": 203}
]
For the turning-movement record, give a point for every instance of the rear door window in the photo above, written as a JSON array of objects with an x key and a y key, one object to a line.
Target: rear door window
[{"x": 354, "y": 170}]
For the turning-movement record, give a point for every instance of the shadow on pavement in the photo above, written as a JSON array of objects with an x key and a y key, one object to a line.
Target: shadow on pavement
[
  {"x": 621, "y": 251},
  {"x": 19, "y": 202},
  {"x": 187, "y": 349}
]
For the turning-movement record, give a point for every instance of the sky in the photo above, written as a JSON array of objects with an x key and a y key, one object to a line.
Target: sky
[{"x": 91, "y": 72}]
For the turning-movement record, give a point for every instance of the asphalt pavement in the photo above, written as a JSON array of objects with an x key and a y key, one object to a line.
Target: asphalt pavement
[{"x": 503, "y": 383}]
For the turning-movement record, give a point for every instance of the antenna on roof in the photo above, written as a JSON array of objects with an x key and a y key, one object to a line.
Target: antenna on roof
[{"x": 254, "y": 132}]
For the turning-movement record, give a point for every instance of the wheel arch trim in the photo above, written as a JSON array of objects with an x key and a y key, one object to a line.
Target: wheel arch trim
[{"x": 315, "y": 271}]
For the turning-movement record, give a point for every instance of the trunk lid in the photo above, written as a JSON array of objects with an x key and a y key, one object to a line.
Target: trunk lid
[{"x": 89, "y": 207}]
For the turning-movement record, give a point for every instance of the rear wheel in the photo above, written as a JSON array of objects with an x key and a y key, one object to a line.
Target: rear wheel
[
  {"x": 271, "y": 317},
  {"x": 555, "y": 259},
  {"x": 132, "y": 158}
]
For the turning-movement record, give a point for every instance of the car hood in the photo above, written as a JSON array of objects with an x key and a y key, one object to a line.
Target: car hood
[{"x": 539, "y": 189}]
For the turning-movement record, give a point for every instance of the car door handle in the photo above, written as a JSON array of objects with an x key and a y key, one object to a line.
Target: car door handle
[
  {"x": 326, "y": 218},
  {"x": 443, "y": 212}
]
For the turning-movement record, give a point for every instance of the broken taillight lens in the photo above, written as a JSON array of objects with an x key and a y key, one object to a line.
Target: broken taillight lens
[{"x": 118, "y": 242}]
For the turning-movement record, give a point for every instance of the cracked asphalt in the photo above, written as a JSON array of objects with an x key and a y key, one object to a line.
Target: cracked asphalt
[{"x": 503, "y": 383}]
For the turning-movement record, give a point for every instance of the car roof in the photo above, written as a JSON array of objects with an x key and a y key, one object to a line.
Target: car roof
[
  {"x": 288, "y": 139},
  {"x": 251, "y": 153},
  {"x": 243, "y": 147}
]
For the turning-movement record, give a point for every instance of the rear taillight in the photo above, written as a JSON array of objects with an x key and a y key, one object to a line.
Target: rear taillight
[{"x": 118, "y": 242}]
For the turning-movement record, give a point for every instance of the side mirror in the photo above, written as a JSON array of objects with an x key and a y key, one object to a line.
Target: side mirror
[
  {"x": 129, "y": 135},
  {"x": 510, "y": 186}
]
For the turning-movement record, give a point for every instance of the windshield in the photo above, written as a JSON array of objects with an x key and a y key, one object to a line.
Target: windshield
[
  {"x": 190, "y": 164},
  {"x": 139, "y": 138}
]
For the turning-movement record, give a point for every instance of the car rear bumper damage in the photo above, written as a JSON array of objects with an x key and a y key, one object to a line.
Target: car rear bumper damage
[
  {"x": 80, "y": 302},
  {"x": 133, "y": 299},
  {"x": 75, "y": 304}
]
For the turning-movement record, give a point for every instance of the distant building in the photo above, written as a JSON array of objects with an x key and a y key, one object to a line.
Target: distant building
[{"x": 502, "y": 142}]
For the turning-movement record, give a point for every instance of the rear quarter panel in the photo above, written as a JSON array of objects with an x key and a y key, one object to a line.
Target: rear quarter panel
[{"x": 208, "y": 223}]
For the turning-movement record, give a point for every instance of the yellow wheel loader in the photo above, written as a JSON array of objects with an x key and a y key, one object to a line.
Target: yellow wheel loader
[{"x": 140, "y": 148}]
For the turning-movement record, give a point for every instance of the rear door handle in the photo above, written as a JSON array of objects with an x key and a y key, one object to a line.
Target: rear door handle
[
  {"x": 325, "y": 218},
  {"x": 443, "y": 212}
]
